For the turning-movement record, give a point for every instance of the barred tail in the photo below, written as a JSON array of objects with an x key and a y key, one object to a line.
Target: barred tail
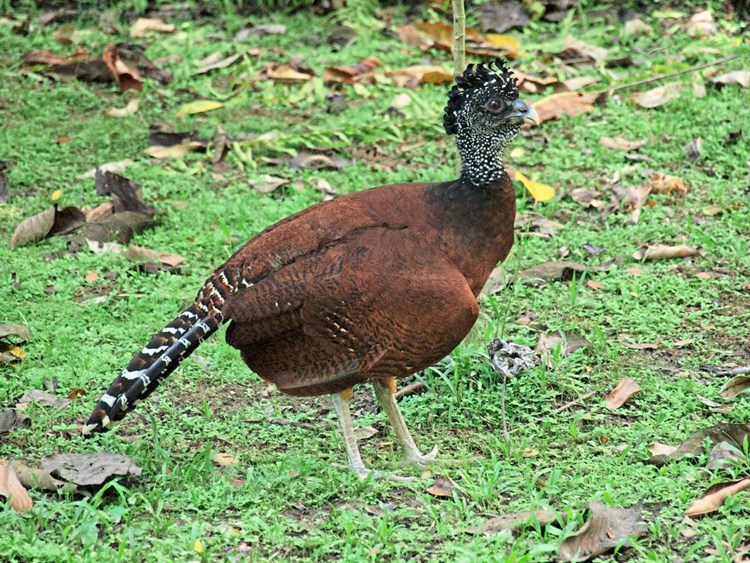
[{"x": 157, "y": 360}]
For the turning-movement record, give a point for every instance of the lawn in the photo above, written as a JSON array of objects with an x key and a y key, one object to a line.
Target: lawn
[{"x": 283, "y": 490}]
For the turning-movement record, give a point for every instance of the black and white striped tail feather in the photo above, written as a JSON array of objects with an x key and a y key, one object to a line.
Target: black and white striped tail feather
[{"x": 153, "y": 363}]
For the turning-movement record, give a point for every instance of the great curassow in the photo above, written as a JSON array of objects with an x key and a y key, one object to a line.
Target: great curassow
[{"x": 373, "y": 285}]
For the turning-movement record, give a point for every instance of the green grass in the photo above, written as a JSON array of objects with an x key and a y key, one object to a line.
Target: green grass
[{"x": 291, "y": 497}]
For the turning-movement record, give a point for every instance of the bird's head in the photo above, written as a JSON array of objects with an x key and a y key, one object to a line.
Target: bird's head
[
  {"x": 485, "y": 99},
  {"x": 484, "y": 113}
]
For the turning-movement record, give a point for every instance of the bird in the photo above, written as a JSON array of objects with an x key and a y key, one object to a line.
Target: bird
[{"x": 374, "y": 285}]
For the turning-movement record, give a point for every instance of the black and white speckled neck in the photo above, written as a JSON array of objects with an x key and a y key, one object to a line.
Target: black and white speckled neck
[{"x": 482, "y": 153}]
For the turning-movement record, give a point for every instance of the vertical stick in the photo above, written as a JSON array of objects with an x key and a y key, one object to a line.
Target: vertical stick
[{"x": 459, "y": 37}]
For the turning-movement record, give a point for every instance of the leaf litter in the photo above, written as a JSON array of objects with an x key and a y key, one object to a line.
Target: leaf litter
[{"x": 87, "y": 470}]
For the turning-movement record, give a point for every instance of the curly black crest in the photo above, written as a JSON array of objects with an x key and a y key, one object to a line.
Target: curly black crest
[{"x": 495, "y": 74}]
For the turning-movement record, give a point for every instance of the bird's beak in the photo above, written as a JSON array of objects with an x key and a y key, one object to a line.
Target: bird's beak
[{"x": 524, "y": 113}]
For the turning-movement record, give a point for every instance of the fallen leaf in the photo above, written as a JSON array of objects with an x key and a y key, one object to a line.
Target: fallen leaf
[
  {"x": 260, "y": 29},
  {"x": 360, "y": 73},
  {"x": 412, "y": 76},
  {"x": 714, "y": 496},
  {"x": 10, "y": 419},
  {"x": 198, "y": 106},
  {"x": 658, "y": 96},
  {"x": 208, "y": 64},
  {"x": 664, "y": 252},
  {"x": 313, "y": 161},
  {"x": 362, "y": 433},
  {"x": 442, "y": 487},
  {"x": 701, "y": 24},
  {"x": 92, "y": 276},
  {"x": 508, "y": 522},
  {"x": 11, "y": 487},
  {"x": 117, "y": 167},
  {"x": 722, "y": 456},
  {"x": 666, "y": 184},
  {"x": 41, "y": 397},
  {"x": 537, "y": 225},
  {"x": 89, "y": 469},
  {"x": 76, "y": 392},
  {"x": 35, "y": 478},
  {"x": 539, "y": 191},
  {"x": 594, "y": 284},
  {"x": 126, "y": 194},
  {"x": 144, "y": 25},
  {"x": 632, "y": 198},
  {"x": 576, "y": 49},
  {"x": 661, "y": 449},
  {"x": 125, "y": 76},
  {"x": 502, "y": 15},
  {"x": 146, "y": 255},
  {"x": 266, "y": 183},
  {"x": 225, "y": 459},
  {"x": 588, "y": 198},
  {"x": 620, "y": 144},
  {"x": 734, "y": 434},
  {"x": 52, "y": 221},
  {"x": 174, "y": 151},
  {"x": 741, "y": 77},
  {"x": 510, "y": 45},
  {"x": 625, "y": 390},
  {"x": 567, "y": 342},
  {"x": 606, "y": 528},
  {"x": 635, "y": 26},
  {"x": 287, "y": 73},
  {"x": 44, "y": 57},
  {"x": 558, "y": 271},
  {"x": 119, "y": 227},
  {"x": 130, "y": 109},
  {"x": 579, "y": 82},
  {"x": 66, "y": 34},
  {"x": 22, "y": 332},
  {"x": 735, "y": 386},
  {"x": 564, "y": 103}
]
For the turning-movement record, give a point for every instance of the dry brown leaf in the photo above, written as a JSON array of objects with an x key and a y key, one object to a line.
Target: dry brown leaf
[
  {"x": 130, "y": 109},
  {"x": 594, "y": 284},
  {"x": 413, "y": 76},
  {"x": 502, "y": 16},
  {"x": 10, "y": 419},
  {"x": 632, "y": 198},
  {"x": 208, "y": 64},
  {"x": 508, "y": 522},
  {"x": 11, "y": 487},
  {"x": 658, "y": 96},
  {"x": 606, "y": 528},
  {"x": 66, "y": 34},
  {"x": 287, "y": 73},
  {"x": 666, "y": 184},
  {"x": 360, "y": 73},
  {"x": 565, "y": 103},
  {"x": 661, "y": 449},
  {"x": 44, "y": 57},
  {"x": 144, "y": 25},
  {"x": 723, "y": 455},
  {"x": 741, "y": 77},
  {"x": 620, "y": 144},
  {"x": 126, "y": 194},
  {"x": 588, "y": 198},
  {"x": 35, "y": 478},
  {"x": 568, "y": 343},
  {"x": 626, "y": 389},
  {"x": 89, "y": 469},
  {"x": 146, "y": 255},
  {"x": 266, "y": 183},
  {"x": 713, "y": 498},
  {"x": 734, "y": 434},
  {"x": 701, "y": 24},
  {"x": 664, "y": 252},
  {"x": 125, "y": 76},
  {"x": 22, "y": 332},
  {"x": 579, "y": 82},
  {"x": 735, "y": 386},
  {"x": 41, "y": 397},
  {"x": 635, "y": 25},
  {"x": 174, "y": 151},
  {"x": 364, "y": 432},
  {"x": 225, "y": 459},
  {"x": 576, "y": 49},
  {"x": 443, "y": 487}
]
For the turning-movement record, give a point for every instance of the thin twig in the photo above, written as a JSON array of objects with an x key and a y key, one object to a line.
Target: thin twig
[
  {"x": 574, "y": 402},
  {"x": 663, "y": 76},
  {"x": 459, "y": 37},
  {"x": 411, "y": 389}
]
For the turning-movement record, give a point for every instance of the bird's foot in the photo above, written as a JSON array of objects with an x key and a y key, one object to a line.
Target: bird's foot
[{"x": 415, "y": 457}]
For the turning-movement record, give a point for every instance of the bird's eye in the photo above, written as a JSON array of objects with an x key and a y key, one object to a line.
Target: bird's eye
[{"x": 494, "y": 105}]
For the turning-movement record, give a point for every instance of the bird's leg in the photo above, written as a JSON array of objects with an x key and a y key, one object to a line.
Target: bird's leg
[
  {"x": 384, "y": 391},
  {"x": 341, "y": 406}
]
